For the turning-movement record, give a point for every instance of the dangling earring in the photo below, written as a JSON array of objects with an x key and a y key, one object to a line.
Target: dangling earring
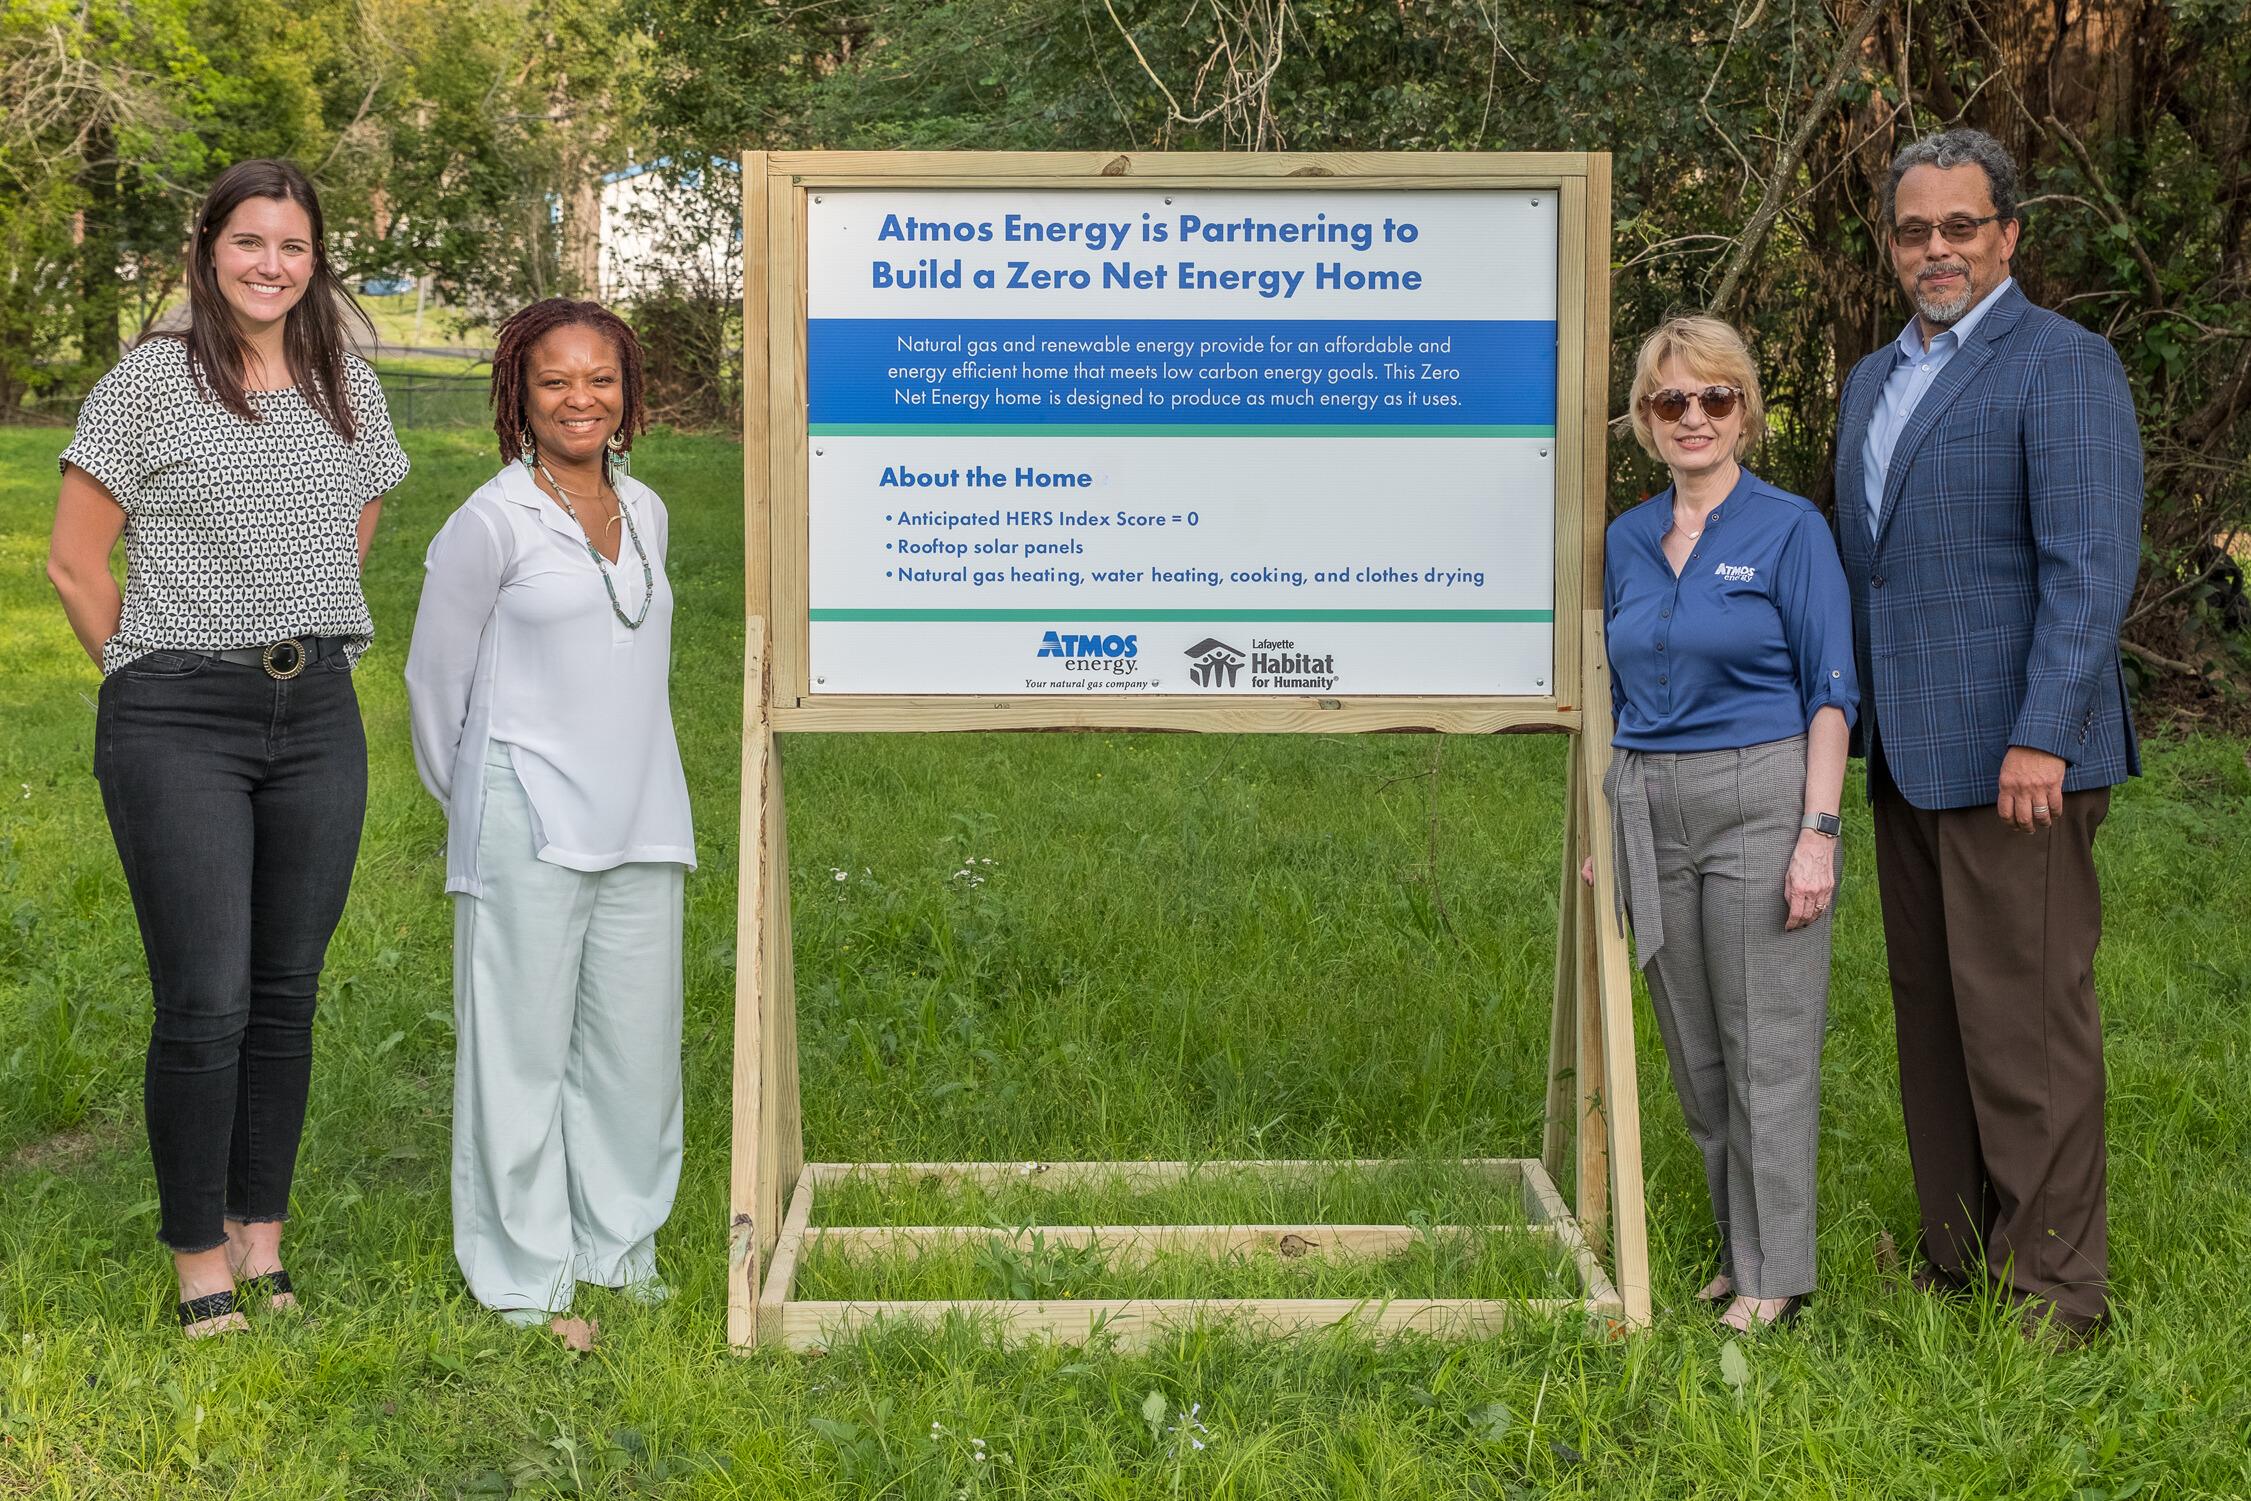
[
  {"x": 617, "y": 455},
  {"x": 528, "y": 449}
]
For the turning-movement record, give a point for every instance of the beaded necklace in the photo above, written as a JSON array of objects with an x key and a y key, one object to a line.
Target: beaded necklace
[{"x": 602, "y": 564}]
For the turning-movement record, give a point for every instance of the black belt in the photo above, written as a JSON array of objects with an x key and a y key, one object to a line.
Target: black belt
[{"x": 283, "y": 659}]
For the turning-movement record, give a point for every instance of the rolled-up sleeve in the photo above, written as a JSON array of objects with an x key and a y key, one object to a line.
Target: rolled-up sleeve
[
  {"x": 111, "y": 441},
  {"x": 460, "y": 587},
  {"x": 1609, "y": 613},
  {"x": 382, "y": 462},
  {"x": 1816, "y": 610}
]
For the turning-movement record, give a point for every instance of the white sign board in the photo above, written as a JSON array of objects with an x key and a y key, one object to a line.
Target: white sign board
[{"x": 1192, "y": 442}]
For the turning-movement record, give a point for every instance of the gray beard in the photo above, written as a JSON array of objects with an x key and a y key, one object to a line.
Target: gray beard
[{"x": 1945, "y": 314}]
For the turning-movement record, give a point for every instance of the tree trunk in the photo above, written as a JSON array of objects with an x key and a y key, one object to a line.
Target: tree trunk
[{"x": 100, "y": 248}]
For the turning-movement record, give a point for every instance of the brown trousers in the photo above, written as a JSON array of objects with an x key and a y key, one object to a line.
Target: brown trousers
[{"x": 1991, "y": 936}]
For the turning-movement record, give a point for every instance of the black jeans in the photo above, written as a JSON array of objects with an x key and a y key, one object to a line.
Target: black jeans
[{"x": 236, "y": 802}]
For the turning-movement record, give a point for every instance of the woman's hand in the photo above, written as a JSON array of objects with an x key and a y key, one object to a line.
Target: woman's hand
[
  {"x": 1811, "y": 884},
  {"x": 1586, "y": 870},
  {"x": 88, "y": 522}
]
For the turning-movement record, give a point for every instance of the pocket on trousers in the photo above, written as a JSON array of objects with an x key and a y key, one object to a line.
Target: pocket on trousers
[{"x": 165, "y": 666}]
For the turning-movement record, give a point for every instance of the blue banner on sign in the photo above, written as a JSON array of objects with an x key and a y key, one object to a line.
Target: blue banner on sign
[{"x": 912, "y": 373}]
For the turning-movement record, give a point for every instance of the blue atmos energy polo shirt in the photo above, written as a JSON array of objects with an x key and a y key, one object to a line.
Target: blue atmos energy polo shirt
[{"x": 1746, "y": 644}]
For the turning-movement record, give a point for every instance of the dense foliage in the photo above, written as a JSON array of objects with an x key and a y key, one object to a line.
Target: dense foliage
[{"x": 461, "y": 140}]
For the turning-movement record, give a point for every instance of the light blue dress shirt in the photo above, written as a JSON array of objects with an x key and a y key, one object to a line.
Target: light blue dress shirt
[{"x": 1914, "y": 370}]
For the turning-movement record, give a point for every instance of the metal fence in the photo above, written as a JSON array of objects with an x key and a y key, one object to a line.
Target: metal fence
[
  {"x": 417, "y": 399},
  {"x": 431, "y": 400}
]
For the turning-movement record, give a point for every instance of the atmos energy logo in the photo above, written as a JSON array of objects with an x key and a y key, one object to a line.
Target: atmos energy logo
[{"x": 1113, "y": 654}]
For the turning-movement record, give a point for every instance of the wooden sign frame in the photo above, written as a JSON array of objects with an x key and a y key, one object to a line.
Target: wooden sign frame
[{"x": 1592, "y": 1114}]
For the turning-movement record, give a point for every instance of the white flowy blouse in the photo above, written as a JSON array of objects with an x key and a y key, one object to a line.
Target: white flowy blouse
[{"x": 515, "y": 644}]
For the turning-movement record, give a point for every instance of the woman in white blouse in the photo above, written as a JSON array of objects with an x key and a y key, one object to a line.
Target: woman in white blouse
[{"x": 538, "y": 681}]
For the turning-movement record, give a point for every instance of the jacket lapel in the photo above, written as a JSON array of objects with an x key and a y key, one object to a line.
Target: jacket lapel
[
  {"x": 1861, "y": 391},
  {"x": 1952, "y": 381}
]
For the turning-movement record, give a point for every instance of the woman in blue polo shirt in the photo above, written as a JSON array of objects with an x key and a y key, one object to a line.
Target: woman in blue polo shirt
[{"x": 1730, "y": 641}]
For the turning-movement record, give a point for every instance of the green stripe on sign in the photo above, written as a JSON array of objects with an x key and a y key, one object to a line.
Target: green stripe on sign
[
  {"x": 1078, "y": 615},
  {"x": 1168, "y": 430}
]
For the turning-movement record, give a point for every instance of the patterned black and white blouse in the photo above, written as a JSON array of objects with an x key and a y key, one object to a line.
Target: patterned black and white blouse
[{"x": 236, "y": 533}]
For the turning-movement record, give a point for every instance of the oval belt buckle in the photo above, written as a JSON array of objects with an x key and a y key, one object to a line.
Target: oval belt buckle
[{"x": 283, "y": 660}]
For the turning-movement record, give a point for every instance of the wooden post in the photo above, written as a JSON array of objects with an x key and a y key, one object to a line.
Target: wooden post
[
  {"x": 1563, "y": 1026},
  {"x": 768, "y": 1145},
  {"x": 1612, "y": 993},
  {"x": 750, "y": 1228},
  {"x": 1590, "y": 1203},
  {"x": 782, "y": 1153}
]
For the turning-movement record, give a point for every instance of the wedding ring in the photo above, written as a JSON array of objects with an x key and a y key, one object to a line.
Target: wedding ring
[{"x": 2039, "y": 807}]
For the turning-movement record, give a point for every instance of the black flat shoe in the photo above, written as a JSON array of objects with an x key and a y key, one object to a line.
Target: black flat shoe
[
  {"x": 268, "y": 1285},
  {"x": 1783, "y": 1318},
  {"x": 209, "y": 1308}
]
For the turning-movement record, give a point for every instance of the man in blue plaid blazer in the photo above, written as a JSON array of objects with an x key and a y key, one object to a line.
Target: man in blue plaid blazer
[{"x": 1989, "y": 489}]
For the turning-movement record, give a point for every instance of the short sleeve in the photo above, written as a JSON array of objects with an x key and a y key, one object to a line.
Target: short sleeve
[
  {"x": 1816, "y": 609},
  {"x": 382, "y": 462},
  {"x": 112, "y": 441}
]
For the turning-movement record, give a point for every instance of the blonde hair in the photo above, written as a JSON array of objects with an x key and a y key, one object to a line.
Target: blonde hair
[{"x": 1712, "y": 349}]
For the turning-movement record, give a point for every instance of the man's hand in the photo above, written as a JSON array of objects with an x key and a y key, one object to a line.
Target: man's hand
[{"x": 2031, "y": 789}]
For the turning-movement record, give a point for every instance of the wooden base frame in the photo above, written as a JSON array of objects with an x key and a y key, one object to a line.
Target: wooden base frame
[
  {"x": 1593, "y": 1126},
  {"x": 797, "y": 1324}
]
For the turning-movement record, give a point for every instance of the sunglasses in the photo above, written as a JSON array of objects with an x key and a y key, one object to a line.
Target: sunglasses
[
  {"x": 1958, "y": 229},
  {"x": 1670, "y": 406}
]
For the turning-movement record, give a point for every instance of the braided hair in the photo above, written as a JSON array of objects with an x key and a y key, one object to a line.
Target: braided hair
[{"x": 512, "y": 351}]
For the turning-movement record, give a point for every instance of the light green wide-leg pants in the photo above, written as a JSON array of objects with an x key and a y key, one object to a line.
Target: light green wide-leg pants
[{"x": 566, "y": 1096}]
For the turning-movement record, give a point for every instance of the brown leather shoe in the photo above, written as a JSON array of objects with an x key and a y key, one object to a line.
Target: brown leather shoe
[
  {"x": 1938, "y": 1282},
  {"x": 2047, "y": 1327}
]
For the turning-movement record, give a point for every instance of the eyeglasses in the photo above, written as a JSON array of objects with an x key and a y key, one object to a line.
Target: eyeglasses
[
  {"x": 1718, "y": 403},
  {"x": 1957, "y": 228}
]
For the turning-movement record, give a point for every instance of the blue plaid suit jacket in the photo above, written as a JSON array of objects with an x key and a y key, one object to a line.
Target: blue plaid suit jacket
[{"x": 1986, "y": 608}]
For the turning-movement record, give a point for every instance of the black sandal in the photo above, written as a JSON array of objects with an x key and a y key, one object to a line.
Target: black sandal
[
  {"x": 268, "y": 1285},
  {"x": 210, "y": 1307},
  {"x": 1788, "y": 1314}
]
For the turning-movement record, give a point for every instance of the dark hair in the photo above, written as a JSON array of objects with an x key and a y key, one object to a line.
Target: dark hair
[
  {"x": 312, "y": 332},
  {"x": 514, "y": 346},
  {"x": 1956, "y": 148}
]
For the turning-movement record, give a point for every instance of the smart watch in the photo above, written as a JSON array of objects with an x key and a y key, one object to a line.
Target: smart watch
[{"x": 1827, "y": 824}]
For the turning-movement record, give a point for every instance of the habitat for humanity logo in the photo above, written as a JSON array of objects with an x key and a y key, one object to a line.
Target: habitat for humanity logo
[
  {"x": 1216, "y": 663},
  {"x": 1112, "y": 654}
]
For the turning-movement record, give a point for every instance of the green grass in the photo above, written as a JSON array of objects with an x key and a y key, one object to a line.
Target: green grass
[
  {"x": 1030, "y": 1265},
  {"x": 1443, "y": 1193},
  {"x": 1181, "y": 947}
]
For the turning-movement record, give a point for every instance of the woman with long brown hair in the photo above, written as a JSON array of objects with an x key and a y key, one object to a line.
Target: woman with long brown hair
[{"x": 243, "y": 461}]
